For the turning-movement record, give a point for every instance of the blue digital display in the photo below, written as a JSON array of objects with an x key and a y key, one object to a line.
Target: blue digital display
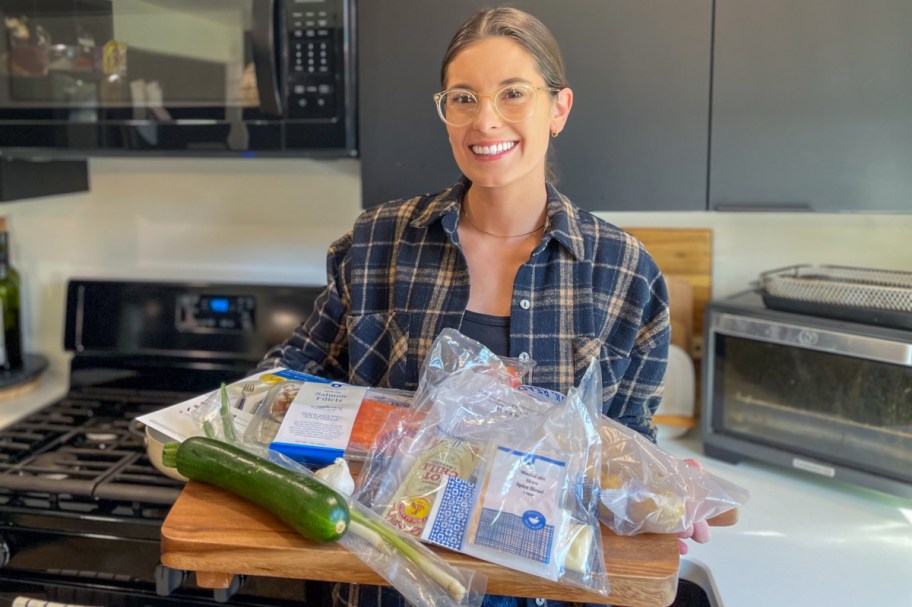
[{"x": 219, "y": 304}]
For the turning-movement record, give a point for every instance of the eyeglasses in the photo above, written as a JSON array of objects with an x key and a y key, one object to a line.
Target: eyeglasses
[{"x": 513, "y": 103}]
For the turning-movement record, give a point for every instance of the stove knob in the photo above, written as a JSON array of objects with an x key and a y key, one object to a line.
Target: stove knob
[
  {"x": 168, "y": 580},
  {"x": 6, "y": 554}
]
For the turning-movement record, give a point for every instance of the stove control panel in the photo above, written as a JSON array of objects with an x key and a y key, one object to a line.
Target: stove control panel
[{"x": 203, "y": 313}]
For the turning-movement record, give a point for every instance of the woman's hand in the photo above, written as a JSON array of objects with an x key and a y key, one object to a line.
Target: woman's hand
[{"x": 699, "y": 531}]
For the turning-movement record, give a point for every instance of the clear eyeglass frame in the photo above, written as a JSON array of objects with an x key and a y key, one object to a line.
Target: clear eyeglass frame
[{"x": 440, "y": 97}]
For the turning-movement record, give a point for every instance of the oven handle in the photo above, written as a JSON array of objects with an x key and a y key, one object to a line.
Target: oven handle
[
  {"x": 264, "y": 56},
  {"x": 811, "y": 338}
]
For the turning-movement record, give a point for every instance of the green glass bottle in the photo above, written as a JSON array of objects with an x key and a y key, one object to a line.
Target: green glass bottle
[{"x": 11, "y": 335}]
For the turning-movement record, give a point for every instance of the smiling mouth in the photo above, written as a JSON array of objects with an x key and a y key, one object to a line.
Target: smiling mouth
[{"x": 493, "y": 150}]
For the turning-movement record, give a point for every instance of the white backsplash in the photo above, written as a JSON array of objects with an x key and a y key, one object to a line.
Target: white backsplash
[{"x": 270, "y": 221}]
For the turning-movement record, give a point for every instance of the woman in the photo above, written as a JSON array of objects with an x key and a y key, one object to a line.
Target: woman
[{"x": 501, "y": 256}]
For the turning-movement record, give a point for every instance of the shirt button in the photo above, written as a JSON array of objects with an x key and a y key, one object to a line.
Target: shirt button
[
  {"x": 540, "y": 601},
  {"x": 525, "y": 304},
  {"x": 524, "y": 356}
]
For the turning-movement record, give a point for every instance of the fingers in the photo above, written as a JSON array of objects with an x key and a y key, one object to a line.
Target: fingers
[
  {"x": 694, "y": 463},
  {"x": 698, "y": 532},
  {"x": 701, "y": 533},
  {"x": 682, "y": 547}
]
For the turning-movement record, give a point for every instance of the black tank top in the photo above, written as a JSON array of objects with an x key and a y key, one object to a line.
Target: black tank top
[{"x": 492, "y": 331}]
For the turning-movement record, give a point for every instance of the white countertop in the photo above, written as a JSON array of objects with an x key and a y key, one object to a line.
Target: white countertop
[
  {"x": 800, "y": 540},
  {"x": 51, "y": 387},
  {"x": 804, "y": 541}
]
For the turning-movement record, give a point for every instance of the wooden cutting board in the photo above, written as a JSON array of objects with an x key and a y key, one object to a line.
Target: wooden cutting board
[
  {"x": 686, "y": 255},
  {"x": 216, "y": 534}
]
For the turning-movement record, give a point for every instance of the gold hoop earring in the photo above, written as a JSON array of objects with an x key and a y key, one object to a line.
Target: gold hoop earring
[{"x": 554, "y": 134}]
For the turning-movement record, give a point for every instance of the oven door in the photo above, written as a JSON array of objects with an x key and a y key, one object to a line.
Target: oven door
[
  {"x": 140, "y": 74},
  {"x": 832, "y": 402}
]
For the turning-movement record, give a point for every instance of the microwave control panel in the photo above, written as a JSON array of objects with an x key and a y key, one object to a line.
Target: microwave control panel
[{"x": 315, "y": 59}]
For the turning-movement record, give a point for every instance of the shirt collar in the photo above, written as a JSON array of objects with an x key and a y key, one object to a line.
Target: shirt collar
[{"x": 563, "y": 223}]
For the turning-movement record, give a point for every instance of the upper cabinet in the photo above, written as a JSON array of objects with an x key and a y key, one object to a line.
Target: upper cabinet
[
  {"x": 812, "y": 105},
  {"x": 637, "y": 137}
]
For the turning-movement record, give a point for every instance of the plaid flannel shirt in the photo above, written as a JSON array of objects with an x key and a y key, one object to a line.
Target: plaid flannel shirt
[{"x": 399, "y": 277}]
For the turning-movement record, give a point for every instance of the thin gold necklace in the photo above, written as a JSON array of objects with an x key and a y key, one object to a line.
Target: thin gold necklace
[{"x": 465, "y": 211}]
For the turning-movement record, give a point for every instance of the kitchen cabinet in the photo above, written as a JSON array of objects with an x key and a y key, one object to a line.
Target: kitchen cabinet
[
  {"x": 812, "y": 105},
  {"x": 25, "y": 178},
  {"x": 637, "y": 138}
]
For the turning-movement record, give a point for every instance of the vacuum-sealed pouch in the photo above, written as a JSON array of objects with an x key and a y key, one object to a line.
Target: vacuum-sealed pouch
[
  {"x": 529, "y": 501},
  {"x": 444, "y": 458},
  {"x": 315, "y": 422}
]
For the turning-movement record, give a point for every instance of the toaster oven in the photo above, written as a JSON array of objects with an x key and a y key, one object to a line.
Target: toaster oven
[{"x": 826, "y": 396}]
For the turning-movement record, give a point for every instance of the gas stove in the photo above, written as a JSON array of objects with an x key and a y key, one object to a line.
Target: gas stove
[
  {"x": 85, "y": 454},
  {"x": 81, "y": 506}
]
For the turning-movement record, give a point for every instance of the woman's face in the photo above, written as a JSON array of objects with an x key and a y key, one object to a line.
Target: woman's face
[{"x": 515, "y": 151}]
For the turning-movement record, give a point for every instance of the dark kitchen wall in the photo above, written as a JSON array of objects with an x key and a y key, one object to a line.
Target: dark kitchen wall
[{"x": 637, "y": 136}]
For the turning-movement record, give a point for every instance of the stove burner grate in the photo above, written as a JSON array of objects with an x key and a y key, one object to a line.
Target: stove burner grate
[
  {"x": 41, "y": 430},
  {"x": 84, "y": 455}
]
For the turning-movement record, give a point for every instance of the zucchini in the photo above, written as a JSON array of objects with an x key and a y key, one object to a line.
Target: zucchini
[{"x": 305, "y": 504}]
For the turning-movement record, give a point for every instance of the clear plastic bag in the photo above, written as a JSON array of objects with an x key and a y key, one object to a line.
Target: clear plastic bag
[
  {"x": 481, "y": 466},
  {"x": 420, "y": 575},
  {"x": 215, "y": 416},
  {"x": 647, "y": 490}
]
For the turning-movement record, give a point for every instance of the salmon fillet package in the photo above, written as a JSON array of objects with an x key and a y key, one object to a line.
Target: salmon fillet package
[{"x": 316, "y": 421}]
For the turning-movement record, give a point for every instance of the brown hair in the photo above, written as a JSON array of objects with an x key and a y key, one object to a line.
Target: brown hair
[
  {"x": 524, "y": 29},
  {"x": 521, "y": 27}
]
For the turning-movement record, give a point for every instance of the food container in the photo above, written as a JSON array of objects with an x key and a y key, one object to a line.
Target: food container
[
  {"x": 155, "y": 442},
  {"x": 375, "y": 407},
  {"x": 870, "y": 296}
]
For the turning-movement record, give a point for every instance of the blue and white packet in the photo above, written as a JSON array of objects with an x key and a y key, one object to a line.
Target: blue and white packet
[
  {"x": 317, "y": 427},
  {"x": 513, "y": 518}
]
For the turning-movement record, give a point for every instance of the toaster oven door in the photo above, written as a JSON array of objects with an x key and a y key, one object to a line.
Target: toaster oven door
[{"x": 831, "y": 402}]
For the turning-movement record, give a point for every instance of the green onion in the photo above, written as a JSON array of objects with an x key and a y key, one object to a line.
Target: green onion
[
  {"x": 453, "y": 586},
  {"x": 209, "y": 429},
  {"x": 227, "y": 420}
]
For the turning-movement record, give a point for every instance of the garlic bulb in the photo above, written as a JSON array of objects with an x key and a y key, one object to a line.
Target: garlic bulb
[{"x": 338, "y": 476}]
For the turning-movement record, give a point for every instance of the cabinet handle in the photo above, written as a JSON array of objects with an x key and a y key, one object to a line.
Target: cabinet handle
[
  {"x": 759, "y": 207},
  {"x": 264, "y": 56}
]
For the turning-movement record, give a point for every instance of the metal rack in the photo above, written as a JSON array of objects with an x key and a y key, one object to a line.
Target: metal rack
[{"x": 856, "y": 294}]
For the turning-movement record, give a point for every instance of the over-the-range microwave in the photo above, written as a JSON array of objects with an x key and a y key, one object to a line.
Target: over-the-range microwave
[
  {"x": 829, "y": 397},
  {"x": 207, "y": 77}
]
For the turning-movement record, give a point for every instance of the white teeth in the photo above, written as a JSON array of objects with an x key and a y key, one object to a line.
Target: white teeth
[{"x": 487, "y": 150}]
